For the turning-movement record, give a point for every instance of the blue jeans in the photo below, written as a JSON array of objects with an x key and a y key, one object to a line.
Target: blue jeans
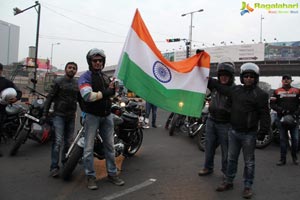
[
  {"x": 245, "y": 141},
  {"x": 64, "y": 132},
  {"x": 216, "y": 133},
  {"x": 152, "y": 107},
  {"x": 294, "y": 132},
  {"x": 106, "y": 128}
]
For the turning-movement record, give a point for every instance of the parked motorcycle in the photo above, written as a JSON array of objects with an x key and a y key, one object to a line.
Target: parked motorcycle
[
  {"x": 201, "y": 136},
  {"x": 128, "y": 137},
  {"x": 30, "y": 127},
  {"x": 12, "y": 120}
]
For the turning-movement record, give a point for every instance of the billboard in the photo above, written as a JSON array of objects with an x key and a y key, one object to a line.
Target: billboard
[
  {"x": 43, "y": 64},
  {"x": 282, "y": 51}
]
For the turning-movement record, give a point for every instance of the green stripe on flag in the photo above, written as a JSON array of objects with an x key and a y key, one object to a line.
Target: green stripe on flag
[{"x": 148, "y": 88}]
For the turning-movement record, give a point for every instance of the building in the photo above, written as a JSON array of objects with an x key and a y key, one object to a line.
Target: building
[{"x": 9, "y": 43}]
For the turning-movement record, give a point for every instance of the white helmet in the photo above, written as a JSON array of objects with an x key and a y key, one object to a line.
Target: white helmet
[
  {"x": 249, "y": 68},
  {"x": 7, "y": 94}
]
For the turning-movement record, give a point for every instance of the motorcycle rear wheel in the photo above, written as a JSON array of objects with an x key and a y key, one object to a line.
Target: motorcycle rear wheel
[
  {"x": 21, "y": 138},
  {"x": 136, "y": 140},
  {"x": 71, "y": 162}
]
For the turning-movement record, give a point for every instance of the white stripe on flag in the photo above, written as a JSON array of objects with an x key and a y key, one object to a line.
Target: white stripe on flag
[{"x": 185, "y": 81}]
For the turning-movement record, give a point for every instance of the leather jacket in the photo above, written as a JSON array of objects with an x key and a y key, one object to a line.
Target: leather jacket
[
  {"x": 286, "y": 101},
  {"x": 249, "y": 106},
  {"x": 219, "y": 110},
  {"x": 64, "y": 94}
]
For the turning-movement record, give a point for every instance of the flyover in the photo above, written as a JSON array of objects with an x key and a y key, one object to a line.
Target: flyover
[{"x": 267, "y": 68}]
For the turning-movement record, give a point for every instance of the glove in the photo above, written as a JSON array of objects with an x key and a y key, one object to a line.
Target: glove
[{"x": 260, "y": 135}]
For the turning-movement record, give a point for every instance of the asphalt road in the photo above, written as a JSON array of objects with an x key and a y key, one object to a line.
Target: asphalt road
[{"x": 165, "y": 168}]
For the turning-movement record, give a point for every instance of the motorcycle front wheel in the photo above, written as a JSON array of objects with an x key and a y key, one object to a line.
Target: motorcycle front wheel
[
  {"x": 21, "y": 138},
  {"x": 260, "y": 144},
  {"x": 201, "y": 138},
  {"x": 173, "y": 124},
  {"x": 71, "y": 162},
  {"x": 134, "y": 144}
]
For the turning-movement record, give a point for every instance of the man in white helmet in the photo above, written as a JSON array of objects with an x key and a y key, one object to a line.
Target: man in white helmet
[
  {"x": 4, "y": 84},
  {"x": 250, "y": 119},
  {"x": 96, "y": 90}
]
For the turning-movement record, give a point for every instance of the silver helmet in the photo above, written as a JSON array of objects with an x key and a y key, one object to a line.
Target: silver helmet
[
  {"x": 95, "y": 52},
  {"x": 249, "y": 68}
]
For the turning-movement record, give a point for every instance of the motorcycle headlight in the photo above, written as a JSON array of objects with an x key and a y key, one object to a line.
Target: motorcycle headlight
[
  {"x": 122, "y": 104},
  {"x": 35, "y": 112}
]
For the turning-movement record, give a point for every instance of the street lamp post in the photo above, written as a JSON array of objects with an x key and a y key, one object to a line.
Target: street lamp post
[
  {"x": 189, "y": 43},
  {"x": 38, "y": 10},
  {"x": 261, "y": 18},
  {"x": 52, "y": 53}
]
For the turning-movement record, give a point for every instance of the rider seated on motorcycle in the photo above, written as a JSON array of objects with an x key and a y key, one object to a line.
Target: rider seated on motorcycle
[{"x": 4, "y": 84}]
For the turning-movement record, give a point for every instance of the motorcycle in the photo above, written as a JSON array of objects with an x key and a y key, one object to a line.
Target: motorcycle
[
  {"x": 276, "y": 133},
  {"x": 12, "y": 120},
  {"x": 128, "y": 137},
  {"x": 194, "y": 127},
  {"x": 30, "y": 127}
]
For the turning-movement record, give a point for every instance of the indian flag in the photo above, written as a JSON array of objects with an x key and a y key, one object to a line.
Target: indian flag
[{"x": 178, "y": 87}]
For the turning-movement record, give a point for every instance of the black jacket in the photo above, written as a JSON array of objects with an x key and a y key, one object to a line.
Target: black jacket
[
  {"x": 65, "y": 94},
  {"x": 219, "y": 109},
  {"x": 99, "y": 82},
  {"x": 249, "y": 107}
]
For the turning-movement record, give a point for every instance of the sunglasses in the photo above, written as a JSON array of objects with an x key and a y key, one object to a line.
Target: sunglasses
[
  {"x": 249, "y": 76},
  {"x": 97, "y": 60},
  {"x": 286, "y": 78}
]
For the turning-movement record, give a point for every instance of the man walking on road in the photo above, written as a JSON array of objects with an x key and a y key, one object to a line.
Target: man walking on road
[{"x": 64, "y": 93}]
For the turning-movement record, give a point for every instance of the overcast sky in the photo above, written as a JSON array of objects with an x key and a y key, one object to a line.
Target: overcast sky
[{"x": 79, "y": 25}]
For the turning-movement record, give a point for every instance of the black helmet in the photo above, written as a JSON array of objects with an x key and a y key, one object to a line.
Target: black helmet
[
  {"x": 95, "y": 52},
  {"x": 228, "y": 68},
  {"x": 249, "y": 68},
  {"x": 288, "y": 120}
]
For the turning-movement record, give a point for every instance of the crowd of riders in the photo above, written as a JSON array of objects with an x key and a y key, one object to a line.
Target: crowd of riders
[{"x": 238, "y": 116}]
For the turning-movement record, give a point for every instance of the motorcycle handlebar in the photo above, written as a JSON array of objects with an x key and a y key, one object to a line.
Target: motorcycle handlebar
[{"x": 32, "y": 90}]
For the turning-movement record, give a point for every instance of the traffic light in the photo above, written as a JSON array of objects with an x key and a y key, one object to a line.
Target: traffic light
[{"x": 173, "y": 40}]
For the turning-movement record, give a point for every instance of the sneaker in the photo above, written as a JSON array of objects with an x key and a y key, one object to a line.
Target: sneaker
[
  {"x": 116, "y": 180},
  {"x": 146, "y": 126},
  {"x": 54, "y": 172},
  {"x": 154, "y": 126},
  {"x": 92, "y": 183},
  {"x": 205, "y": 171},
  {"x": 281, "y": 163},
  {"x": 224, "y": 187},
  {"x": 247, "y": 193}
]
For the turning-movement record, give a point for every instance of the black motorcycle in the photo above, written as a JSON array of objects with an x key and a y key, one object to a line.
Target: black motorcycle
[
  {"x": 12, "y": 120},
  {"x": 30, "y": 127},
  {"x": 128, "y": 138}
]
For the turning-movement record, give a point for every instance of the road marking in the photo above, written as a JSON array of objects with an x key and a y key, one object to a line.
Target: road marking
[{"x": 129, "y": 190}]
